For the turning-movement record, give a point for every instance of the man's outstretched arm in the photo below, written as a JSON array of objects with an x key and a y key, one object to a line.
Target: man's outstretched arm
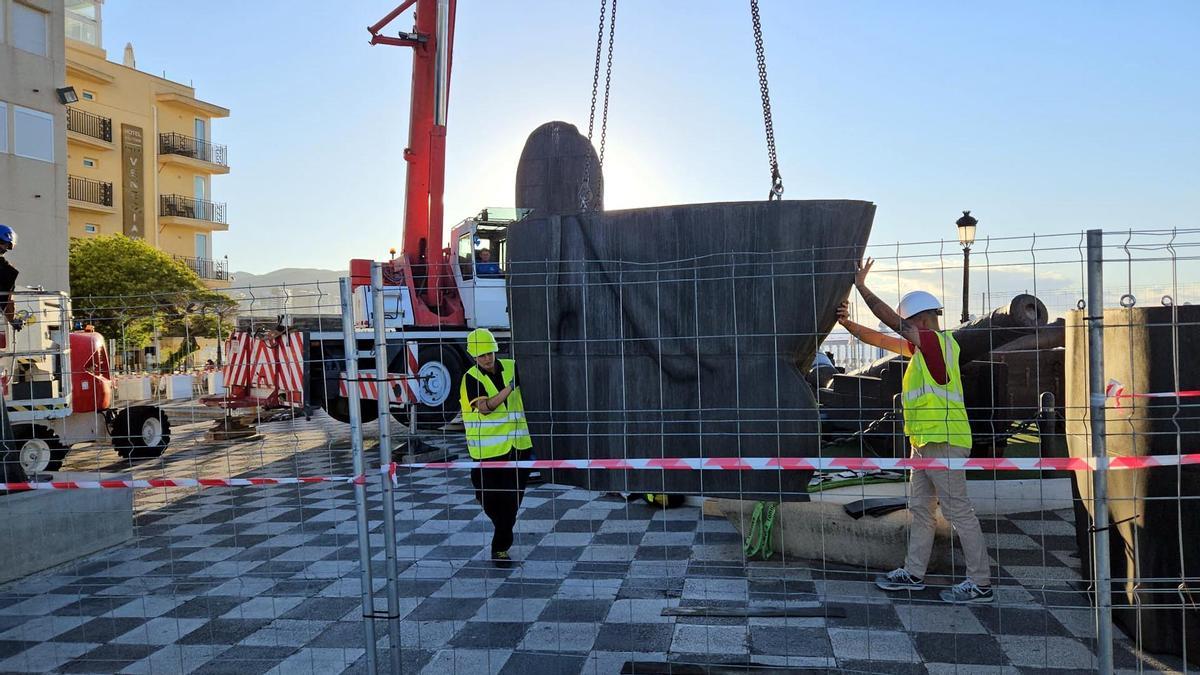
[{"x": 881, "y": 309}]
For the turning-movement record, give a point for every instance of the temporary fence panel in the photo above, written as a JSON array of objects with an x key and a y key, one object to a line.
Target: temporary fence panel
[{"x": 239, "y": 546}]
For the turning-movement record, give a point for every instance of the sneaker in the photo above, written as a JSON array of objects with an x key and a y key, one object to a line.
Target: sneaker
[
  {"x": 968, "y": 593},
  {"x": 900, "y": 580},
  {"x": 502, "y": 559}
]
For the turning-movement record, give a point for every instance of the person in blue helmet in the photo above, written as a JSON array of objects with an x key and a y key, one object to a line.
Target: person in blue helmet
[{"x": 8, "y": 276}]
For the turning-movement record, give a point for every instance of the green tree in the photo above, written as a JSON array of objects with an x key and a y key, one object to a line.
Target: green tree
[{"x": 125, "y": 286}]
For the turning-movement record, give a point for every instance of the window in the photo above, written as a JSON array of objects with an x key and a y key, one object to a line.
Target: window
[
  {"x": 89, "y": 95},
  {"x": 83, "y": 21},
  {"x": 89, "y": 163},
  {"x": 91, "y": 228},
  {"x": 29, "y": 29},
  {"x": 33, "y": 134},
  {"x": 3, "y": 117},
  {"x": 466, "y": 257}
]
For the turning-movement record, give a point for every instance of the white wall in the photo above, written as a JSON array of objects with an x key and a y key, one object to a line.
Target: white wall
[{"x": 33, "y": 194}]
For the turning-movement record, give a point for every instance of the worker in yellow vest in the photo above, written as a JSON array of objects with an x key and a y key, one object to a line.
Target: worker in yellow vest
[
  {"x": 494, "y": 417},
  {"x": 935, "y": 421}
]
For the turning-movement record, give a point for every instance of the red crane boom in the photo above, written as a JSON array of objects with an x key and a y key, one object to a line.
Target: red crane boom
[{"x": 423, "y": 259}]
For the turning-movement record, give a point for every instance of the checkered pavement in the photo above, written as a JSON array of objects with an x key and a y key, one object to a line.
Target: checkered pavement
[{"x": 265, "y": 580}]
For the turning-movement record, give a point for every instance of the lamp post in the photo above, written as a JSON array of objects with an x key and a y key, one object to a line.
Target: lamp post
[{"x": 966, "y": 237}]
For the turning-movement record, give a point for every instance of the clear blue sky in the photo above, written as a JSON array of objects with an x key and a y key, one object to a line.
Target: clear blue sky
[{"x": 1038, "y": 116}]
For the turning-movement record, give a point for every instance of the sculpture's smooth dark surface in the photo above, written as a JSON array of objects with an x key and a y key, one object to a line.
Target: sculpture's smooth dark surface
[
  {"x": 680, "y": 331},
  {"x": 552, "y": 170}
]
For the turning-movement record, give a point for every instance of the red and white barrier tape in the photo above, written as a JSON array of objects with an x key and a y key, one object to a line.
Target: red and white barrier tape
[
  {"x": 389, "y": 471},
  {"x": 826, "y": 464},
  {"x": 176, "y": 482},
  {"x": 1116, "y": 390}
]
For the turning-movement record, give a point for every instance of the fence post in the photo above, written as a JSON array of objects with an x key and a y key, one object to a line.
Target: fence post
[
  {"x": 384, "y": 386},
  {"x": 1102, "y": 575},
  {"x": 360, "y": 487}
]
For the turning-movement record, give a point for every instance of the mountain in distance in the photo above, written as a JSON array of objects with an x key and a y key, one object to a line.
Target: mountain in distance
[{"x": 290, "y": 290}]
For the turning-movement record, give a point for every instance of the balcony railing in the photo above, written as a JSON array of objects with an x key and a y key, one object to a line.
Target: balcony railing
[
  {"x": 83, "y": 122},
  {"x": 90, "y": 191},
  {"x": 186, "y": 207},
  {"x": 216, "y": 270},
  {"x": 186, "y": 146}
]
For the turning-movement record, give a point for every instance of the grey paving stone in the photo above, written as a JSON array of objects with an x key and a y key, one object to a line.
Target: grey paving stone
[
  {"x": 108, "y": 658},
  {"x": 45, "y": 657},
  {"x": 523, "y": 663},
  {"x": 445, "y": 608},
  {"x": 964, "y": 649},
  {"x": 482, "y": 661},
  {"x": 223, "y": 632},
  {"x": 1031, "y": 651},
  {"x": 327, "y": 609},
  {"x": 697, "y": 639},
  {"x": 245, "y": 660},
  {"x": 940, "y": 618},
  {"x": 576, "y": 611},
  {"x": 559, "y": 638},
  {"x": 491, "y": 635},
  {"x": 285, "y": 633},
  {"x": 159, "y": 631},
  {"x": 635, "y": 637},
  {"x": 779, "y": 641},
  {"x": 872, "y": 645}
]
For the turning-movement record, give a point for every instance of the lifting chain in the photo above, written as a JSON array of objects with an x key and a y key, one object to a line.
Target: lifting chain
[
  {"x": 776, "y": 178},
  {"x": 586, "y": 196}
]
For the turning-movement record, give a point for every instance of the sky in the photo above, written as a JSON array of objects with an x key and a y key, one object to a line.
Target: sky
[{"x": 1040, "y": 117}]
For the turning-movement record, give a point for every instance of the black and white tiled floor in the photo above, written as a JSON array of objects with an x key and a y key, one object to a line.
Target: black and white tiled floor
[{"x": 257, "y": 580}]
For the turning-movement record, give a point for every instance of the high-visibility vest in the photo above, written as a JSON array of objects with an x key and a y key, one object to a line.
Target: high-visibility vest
[
  {"x": 935, "y": 413},
  {"x": 498, "y": 432}
]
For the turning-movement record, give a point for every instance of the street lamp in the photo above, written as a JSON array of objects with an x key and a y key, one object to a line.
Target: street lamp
[{"x": 966, "y": 237}]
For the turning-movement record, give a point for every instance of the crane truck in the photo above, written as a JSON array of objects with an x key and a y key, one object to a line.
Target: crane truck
[{"x": 434, "y": 293}]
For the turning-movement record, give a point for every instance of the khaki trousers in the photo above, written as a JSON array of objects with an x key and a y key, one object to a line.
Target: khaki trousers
[{"x": 949, "y": 488}]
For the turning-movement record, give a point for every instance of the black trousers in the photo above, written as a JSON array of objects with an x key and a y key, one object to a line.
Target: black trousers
[{"x": 500, "y": 492}]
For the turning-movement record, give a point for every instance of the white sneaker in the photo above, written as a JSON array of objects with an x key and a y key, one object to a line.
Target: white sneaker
[
  {"x": 900, "y": 580},
  {"x": 968, "y": 593}
]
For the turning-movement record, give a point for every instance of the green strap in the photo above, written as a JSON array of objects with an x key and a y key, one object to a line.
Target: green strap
[{"x": 758, "y": 535}]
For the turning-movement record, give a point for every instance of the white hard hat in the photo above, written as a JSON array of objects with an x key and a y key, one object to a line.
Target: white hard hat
[{"x": 915, "y": 302}]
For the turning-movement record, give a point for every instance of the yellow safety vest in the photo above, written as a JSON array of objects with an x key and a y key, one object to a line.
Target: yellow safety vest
[
  {"x": 935, "y": 413},
  {"x": 498, "y": 432}
]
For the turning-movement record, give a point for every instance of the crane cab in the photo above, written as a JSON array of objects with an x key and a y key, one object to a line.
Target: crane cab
[{"x": 479, "y": 251}]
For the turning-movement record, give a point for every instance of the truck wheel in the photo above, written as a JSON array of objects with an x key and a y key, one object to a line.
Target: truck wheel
[
  {"x": 141, "y": 433},
  {"x": 38, "y": 449},
  {"x": 438, "y": 377},
  {"x": 339, "y": 409}
]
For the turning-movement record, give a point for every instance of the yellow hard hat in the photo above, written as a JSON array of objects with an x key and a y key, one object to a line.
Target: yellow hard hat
[{"x": 481, "y": 341}]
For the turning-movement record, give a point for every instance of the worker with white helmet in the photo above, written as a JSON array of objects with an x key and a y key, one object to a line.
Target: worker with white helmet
[
  {"x": 494, "y": 417},
  {"x": 935, "y": 421},
  {"x": 8, "y": 276}
]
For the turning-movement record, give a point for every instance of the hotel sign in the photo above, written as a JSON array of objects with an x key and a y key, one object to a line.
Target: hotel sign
[{"x": 133, "y": 174}]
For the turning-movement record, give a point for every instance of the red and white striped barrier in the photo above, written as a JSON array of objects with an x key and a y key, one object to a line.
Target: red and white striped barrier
[
  {"x": 265, "y": 368},
  {"x": 402, "y": 385}
]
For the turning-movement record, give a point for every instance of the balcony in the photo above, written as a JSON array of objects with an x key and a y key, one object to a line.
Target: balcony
[
  {"x": 188, "y": 212},
  {"x": 85, "y": 194},
  {"x": 209, "y": 270},
  {"x": 92, "y": 130},
  {"x": 193, "y": 153}
]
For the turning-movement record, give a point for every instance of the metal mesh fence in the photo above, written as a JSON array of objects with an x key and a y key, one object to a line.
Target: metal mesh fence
[{"x": 171, "y": 515}]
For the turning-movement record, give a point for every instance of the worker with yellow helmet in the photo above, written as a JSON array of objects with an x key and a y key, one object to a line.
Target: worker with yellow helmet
[{"x": 494, "y": 417}]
